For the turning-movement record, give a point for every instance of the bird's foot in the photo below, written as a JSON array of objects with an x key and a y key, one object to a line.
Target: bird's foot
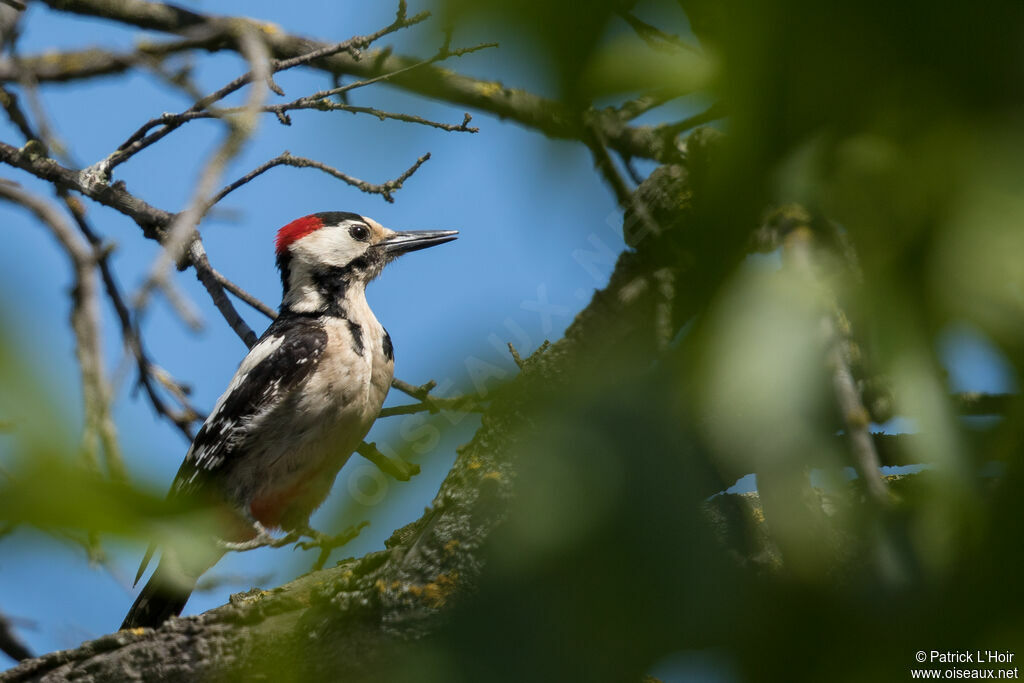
[
  {"x": 262, "y": 539},
  {"x": 326, "y": 543}
]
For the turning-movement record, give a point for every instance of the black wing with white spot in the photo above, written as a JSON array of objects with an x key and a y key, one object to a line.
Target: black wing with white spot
[{"x": 276, "y": 366}]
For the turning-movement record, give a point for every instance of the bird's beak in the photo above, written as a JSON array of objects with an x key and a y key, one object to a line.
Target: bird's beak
[{"x": 412, "y": 240}]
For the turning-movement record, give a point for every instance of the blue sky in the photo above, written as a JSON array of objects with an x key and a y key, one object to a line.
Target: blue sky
[{"x": 539, "y": 232}]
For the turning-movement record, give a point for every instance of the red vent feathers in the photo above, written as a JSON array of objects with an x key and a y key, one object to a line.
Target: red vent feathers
[{"x": 296, "y": 230}]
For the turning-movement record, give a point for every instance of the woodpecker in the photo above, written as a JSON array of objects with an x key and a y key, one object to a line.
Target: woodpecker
[{"x": 300, "y": 402}]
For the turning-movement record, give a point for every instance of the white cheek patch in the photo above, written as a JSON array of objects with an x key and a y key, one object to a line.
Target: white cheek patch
[{"x": 331, "y": 245}]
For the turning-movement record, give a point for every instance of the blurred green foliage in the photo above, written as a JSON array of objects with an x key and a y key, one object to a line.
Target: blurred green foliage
[
  {"x": 46, "y": 482},
  {"x": 897, "y": 129}
]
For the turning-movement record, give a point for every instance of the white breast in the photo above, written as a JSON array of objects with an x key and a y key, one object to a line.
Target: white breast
[{"x": 325, "y": 421}]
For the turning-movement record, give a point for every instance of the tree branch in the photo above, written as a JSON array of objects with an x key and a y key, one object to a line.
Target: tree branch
[
  {"x": 856, "y": 420},
  {"x": 286, "y": 159},
  {"x": 263, "y": 72},
  {"x": 553, "y": 118}
]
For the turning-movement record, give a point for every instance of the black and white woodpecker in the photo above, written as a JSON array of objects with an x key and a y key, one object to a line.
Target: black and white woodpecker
[{"x": 300, "y": 403}]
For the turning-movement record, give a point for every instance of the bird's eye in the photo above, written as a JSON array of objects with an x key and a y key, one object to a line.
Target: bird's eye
[{"x": 359, "y": 232}]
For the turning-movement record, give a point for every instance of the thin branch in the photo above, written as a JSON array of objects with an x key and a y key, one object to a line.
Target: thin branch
[
  {"x": 61, "y": 67},
  {"x": 553, "y": 118},
  {"x": 428, "y": 403},
  {"x": 324, "y": 105},
  {"x": 397, "y": 468},
  {"x": 152, "y": 220},
  {"x": 672, "y": 130},
  {"x": 444, "y": 53},
  {"x": 434, "y": 406},
  {"x": 856, "y": 420},
  {"x": 515, "y": 356},
  {"x": 170, "y": 122},
  {"x": 142, "y": 138},
  {"x": 421, "y": 392},
  {"x": 286, "y": 159},
  {"x": 654, "y": 36},
  {"x": 281, "y": 111},
  {"x": 606, "y": 166},
  {"x": 627, "y": 164},
  {"x": 643, "y": 104},
  {"x": 243, "y": 295},
  {"x": 629, "y": 201},
  {"x": 212, "y": 282}
]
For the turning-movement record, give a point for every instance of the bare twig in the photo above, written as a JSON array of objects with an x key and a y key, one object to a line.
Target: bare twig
[
  {"x": 143, "y": 138},
  {"x": 212, "y": 282},
  {"x": 60, "y": 67},
  {"x": 604, "y": 163},
  {"x": 243, "y": 295},
  {"x": 551, "y": 117},
  {"x": 654, "y": 36},
  {"x": 152, "y": 220},
  {"x": 281, "y": 111},
  {"x": 857, "y": 421},
  {"x": 421, "y": 392},
  {"x": 442, "y": 54},
  {"x": 167, "y": 123},
  {"x": 515, "y": 356},
  {"x": 671, "y": 130},
  {"x": 326, "y": 105},
  {"x": 397, "y": 468},
  {"x": 627, "y": 198},
  {"x": 286, "y": 159},
  {"x": 643, "y": 104},
  {"x": 435, "y": 405}
]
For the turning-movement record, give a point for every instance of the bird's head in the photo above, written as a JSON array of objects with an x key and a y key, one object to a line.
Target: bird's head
[{"x": 324, "y": 255}]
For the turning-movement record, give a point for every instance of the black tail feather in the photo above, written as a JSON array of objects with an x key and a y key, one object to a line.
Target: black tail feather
[{"x": 160, "y": 599}]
